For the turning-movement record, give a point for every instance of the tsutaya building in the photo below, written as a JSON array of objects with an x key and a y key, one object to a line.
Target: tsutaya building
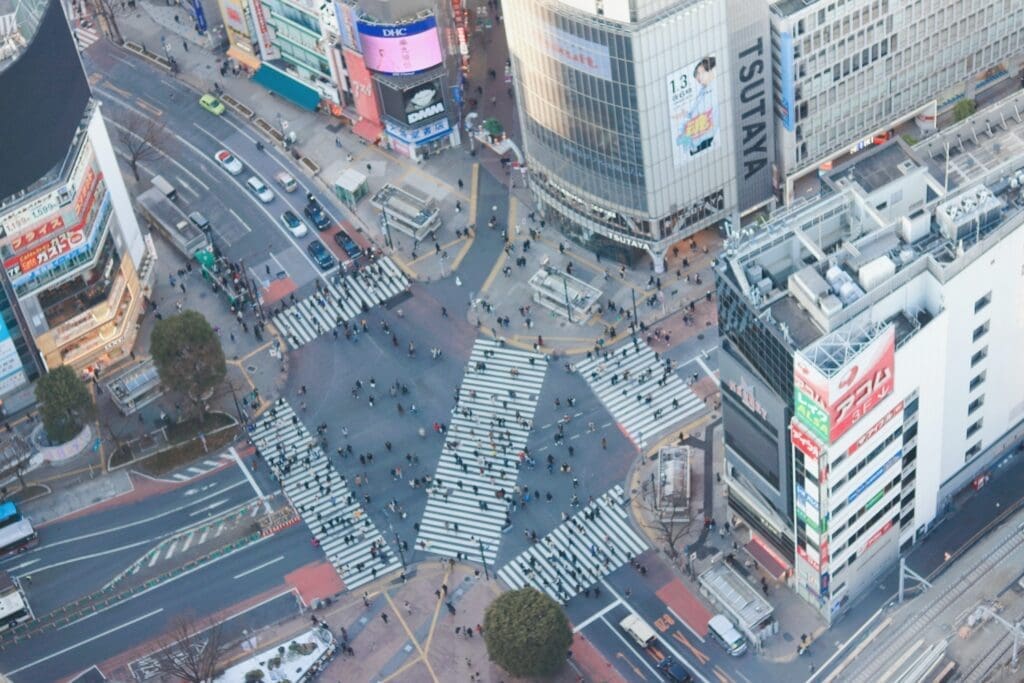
[{"x": 870, "y": 360}]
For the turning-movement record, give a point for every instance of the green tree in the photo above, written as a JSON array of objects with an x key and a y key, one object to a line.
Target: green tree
[
  {"x": 64, "y": 403},
  {"x": 189, "y": 357},
  {"x": 527, "y": 633},
  {"x": 964, "y": 108}
]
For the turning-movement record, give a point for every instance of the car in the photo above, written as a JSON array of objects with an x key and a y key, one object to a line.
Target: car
[
  {"x": 293, "y": 224},
  {"x": 352, "y": 250},
  {"x": 199, "y": 220},
  {"x": 229, "y": 162},
  {"x": 259, "y": 189},
  {"x": 673, "y": 671},
  {"x": 316, "y": 214},
  {"x": 211, "y": 104},
  {"x": 320, "y": 255}
]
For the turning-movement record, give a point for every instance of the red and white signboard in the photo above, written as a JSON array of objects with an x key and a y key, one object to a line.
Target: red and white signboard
[
  {"x": 36, "y": 233},
  {"x": 264, "y": 33},
  {"x": 875, "y": 428},
  {"x": 47, "y": 251},
  {"x": 806, "y": 443}
]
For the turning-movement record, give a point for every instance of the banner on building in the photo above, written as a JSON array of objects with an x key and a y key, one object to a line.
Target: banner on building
[
  {"x": 693, "y": 109},
  {"x": 264, "y": 32},
  {"x": 787, "y": 85},
  {"x": 576, "y": 53},
  {"x": 400, "y": 48}
]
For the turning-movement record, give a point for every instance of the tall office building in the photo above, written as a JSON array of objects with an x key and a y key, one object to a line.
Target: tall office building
[
  {"x": 76, "y": 266},
  {"x": 847, "y": 72},
  {"x": 869, "y": 357},
  {"x": 643, "y": 121}
]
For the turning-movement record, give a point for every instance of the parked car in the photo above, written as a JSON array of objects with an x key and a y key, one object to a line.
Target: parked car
[
  {"x": 352, "y": 250},
  {"x": 229, "y": 162},
  {"x": 293, "y": 224},
  {"x": 318, "y": 252},
  {"x": 211, "y": 104},
  {"x": 260, "y": 189},
  {"x": 316, "y": 214}
]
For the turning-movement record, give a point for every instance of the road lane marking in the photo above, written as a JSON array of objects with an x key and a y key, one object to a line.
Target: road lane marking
[
  {"x": 202, "y": 537},
  {"x": 595, "y": 616},
  {"x": 111, "y": 551},
  {"x": 252, "y": 482},
  {"x": 240, "y": 221},
  {"x": 703, "y": 658},
  {"x": 170, "y": 549},
  {"x": 188, "y": 541},
  {"x": 79, "y": 644},
  {"x": 683, "y": 622},
  {"x": 259, "y": 567},
  {"x": 220, "y": 529},
  {"x": 722, "y": 676},
  {"x": 206, "y": 509},
  {"x": 23, "y": 565},
  {"x": 712, "y": 375}
]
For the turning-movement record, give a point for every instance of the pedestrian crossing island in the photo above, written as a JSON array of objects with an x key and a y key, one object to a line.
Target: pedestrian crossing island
[
  {"x": 322, "y": 497},
  {"x": 332, "y": 304},
  {"x": 578, "y": 552},
  {"x": 469, "y": 498}
]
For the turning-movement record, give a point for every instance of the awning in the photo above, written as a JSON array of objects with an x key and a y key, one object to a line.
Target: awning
[
  {"x": 368, "y": 130},
  {"x": 767, "y": 558},
  {"x": 246, "y": 59},
  {"x": 275, "y": 80}
]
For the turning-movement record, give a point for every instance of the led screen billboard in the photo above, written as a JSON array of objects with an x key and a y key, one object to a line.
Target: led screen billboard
[{"x": 400, "y": 48}]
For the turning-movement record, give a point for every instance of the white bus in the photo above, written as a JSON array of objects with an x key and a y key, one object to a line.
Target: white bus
[
  {"x": 16, "y": 532},
  {"x": 722, "y": 630},
  {"x": 14, "y": 607}
]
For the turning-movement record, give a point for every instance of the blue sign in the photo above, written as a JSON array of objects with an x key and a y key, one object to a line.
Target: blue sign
[
  {"x": 457, "y": 94},
  {"x": 197, "y": 10},
  {"x": 788, "y": 95},
  {"x": 875, "y": 476},
  {"x": 394, "y": 30}
]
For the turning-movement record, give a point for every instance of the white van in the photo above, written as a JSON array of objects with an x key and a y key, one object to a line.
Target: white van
[
  {"x": 160, "y": 183},
  {"x": 638, "y": 630},
  {"x": 722, "y": 630}
]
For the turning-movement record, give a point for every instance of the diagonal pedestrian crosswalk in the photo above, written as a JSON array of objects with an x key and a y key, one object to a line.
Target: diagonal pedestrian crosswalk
[
  {"x": 86, "y": 36},
  {"x": 640, "y": 389},
  {"x": 308, "y": 318},
  {"x": 589, "y": 545},
  {"x": 321, "y": 495},
  {"x": 476, "y": 475}
]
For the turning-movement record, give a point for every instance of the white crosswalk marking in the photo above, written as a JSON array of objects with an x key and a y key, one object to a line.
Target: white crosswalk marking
[
  {"x": 640, "y": 390},
  {"x": 86, "y": 36},
  {"x": 308, "y": 318},
  {"x": 479, "y": 460},
  {"x": 322, "y": 496},
  {"x": 591, "y": 544}
]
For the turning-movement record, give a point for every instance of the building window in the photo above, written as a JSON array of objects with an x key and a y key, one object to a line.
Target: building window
[
  {"x": 979, "y": 356},
  {"x": 975, "y": 404},
  {"x": 983, "y": 302},
  {"x": 977, "y": 380},
  {"x": 980, "y": 331},
  {"x": 973, "y": 451},
  {"x": 973, "y": 429}
]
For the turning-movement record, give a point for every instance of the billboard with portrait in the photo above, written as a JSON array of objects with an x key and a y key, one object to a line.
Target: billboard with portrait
[
  {"x": 693, "y": 109},
  {"x": 400, "y": 48}
]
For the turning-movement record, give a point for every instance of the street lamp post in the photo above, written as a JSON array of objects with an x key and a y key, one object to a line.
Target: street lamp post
[
  {"x": 483, "y": 560},
  {"x": 565, "y": 288}
]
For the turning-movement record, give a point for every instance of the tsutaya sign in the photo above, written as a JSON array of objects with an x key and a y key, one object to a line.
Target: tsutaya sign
[{"x": 828, "y": 407}]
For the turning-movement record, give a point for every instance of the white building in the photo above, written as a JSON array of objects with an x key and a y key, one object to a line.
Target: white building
[
  {"x": 871, "y": 355},
  {"x": 848, "y": 71}
]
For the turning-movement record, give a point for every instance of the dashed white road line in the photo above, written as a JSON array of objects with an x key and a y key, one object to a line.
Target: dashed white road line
[{"x": 258, "y": 567}]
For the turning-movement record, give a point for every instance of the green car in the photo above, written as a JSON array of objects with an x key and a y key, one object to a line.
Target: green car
[{"x": 211, "y": 104}]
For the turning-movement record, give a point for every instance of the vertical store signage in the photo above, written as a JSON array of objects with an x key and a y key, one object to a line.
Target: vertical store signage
[
  {"x": 787, "y": 99},
  {"x": 753, "y": 129},
  {"x": 264, "y": 33},
  {"x": 12, "y": 374},
  {"x": 234, "y": 16}
]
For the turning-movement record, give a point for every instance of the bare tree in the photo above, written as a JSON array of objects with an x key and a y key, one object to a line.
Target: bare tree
[
  {"x": 15, "y": 458},
  {"x": 191, "y": 651},
  {"x": 140, "y": 137},
  {"x": 668, "y": 525}
]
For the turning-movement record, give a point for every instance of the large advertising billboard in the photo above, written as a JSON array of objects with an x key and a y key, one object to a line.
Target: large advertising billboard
[
  {"x": 753, "y": 129},
  {"x": 693, "y": 109},
  {"x": 264, "y": 32},
  {"x": 828, "y": 407},
  {"x": 576, "y": 53},
  {"x": 787, "y": 99},
  {"x": 361, "y": 82},
  {"x": 400, "y": 48},
  {"x": 416, "y": 106},
  {"x": 346, "y": 16}
]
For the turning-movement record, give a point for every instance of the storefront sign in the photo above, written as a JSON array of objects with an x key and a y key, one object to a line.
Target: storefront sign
[
  {"x": 42, "y": 207},
  {"x": 811, "y": 415},
  {"x": 753, "y": 113},
  {"x": 234, "y": 16},
  {"x": 745, "y": 392},
  {"x": 46, "y": 252},
  {"x": 875, "y": 476},
  {"x": 808, "y": 559},
  {"x": 878, "y": 534},
  {"x": 85, "y": 191},
  {"x": 804, "y": 441},
  {"x": 418, "y": 135},
  {"x": 37, "y": 233},
  {"x": 875, "y": 428},
  {"x": 264, "y": 33}
]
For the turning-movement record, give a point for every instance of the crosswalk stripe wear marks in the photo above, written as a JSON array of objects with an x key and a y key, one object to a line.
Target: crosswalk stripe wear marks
[
  {"x": 640, "y": 389},
  {"x": 589, "y": 545},
  {"x": 86, "y": 36},
  {"x": 209, "y": 465},
  {"x": 308, "y": 318},
  {"x": 322, "y": 497},
  {"x": 468, "y": 499}
]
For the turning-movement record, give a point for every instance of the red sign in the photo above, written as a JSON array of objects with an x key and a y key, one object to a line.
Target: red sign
[
  {"x": 47, "y": 251},
  {"x": 804, "y": 441},
  {"x": 878, "y": 534},
  {"x": 85, "y": 190},
  {"x": 362, "y": 88},
  {"x": 877, "y": 427},
  {"x": 807, "y": 558},
  {"x": 37, "y": 233}
]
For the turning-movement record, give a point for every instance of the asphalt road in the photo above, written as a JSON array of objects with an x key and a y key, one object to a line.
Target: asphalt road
[{"x": 212, "y": 587}]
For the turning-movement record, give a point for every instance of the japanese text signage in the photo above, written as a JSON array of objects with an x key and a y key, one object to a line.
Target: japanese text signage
[{"x": 804, "y": 441}]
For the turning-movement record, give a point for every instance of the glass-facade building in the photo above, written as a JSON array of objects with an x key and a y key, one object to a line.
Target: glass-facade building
[{"x": 630, "y": 115}]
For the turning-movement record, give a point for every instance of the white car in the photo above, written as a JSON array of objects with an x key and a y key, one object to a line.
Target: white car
[
  {"x": 228, "y": 162},
  {"x": 260, "y": 189},
  {"x": 293, "y": 224}
]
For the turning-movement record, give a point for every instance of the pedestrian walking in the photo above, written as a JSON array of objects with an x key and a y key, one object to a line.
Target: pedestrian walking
[
  {"x": 384, "y": 617},
  {"x": 366, "y": 599},
  {"x": 408, "y": 607}
]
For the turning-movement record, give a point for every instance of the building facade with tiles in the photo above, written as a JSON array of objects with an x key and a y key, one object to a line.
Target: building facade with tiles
[
  {"x": 76, "y": 265},
  {"x": 848, "y": 72},
  {"x": 869, "y": 367}
]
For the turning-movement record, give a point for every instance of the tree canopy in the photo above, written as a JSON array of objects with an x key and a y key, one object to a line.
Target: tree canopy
[
  {"x": 188, "y": 356},
  {"x": 527, "y": 633},
  {"x": 64, "y": 403}
]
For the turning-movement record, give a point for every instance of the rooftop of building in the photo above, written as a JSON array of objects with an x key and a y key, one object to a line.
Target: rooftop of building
[
  {"x": 733, "y": 591},
  {"x": 787, "y": 7},
  {"x": 817, "y": 270}
]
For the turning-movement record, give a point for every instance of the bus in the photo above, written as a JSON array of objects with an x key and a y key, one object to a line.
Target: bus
[
  {"x": 16, "y": 532},
  {"x": 14, "y": 607}
]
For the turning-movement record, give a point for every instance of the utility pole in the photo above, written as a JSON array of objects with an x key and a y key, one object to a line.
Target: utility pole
[
  {"x": 565, "y": 288},
  {"x": 483, "y": 560}
]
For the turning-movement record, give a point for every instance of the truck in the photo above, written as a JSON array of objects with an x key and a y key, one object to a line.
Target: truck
[{"x": 166, "y": 218}]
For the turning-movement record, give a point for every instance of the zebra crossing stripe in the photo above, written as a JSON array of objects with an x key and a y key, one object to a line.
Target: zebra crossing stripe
[
  {"x": 578, "y": 552},
  {"x": 476, "y": 474},
  {"x": 640, "y": 389},
  {"x": 322, "y": 497},
  {"x": 309, "y": 318}
]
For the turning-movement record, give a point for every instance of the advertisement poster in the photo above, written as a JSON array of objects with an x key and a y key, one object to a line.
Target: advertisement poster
[
  {"x": 693, "y": 110},
  {"x": 788, "y": 95},
  {"x": 234, "y": 16},
  {"x": 37, "y": 233},
  {"x": 346, "y": 16},
  {"x": 362, "y": 87},
  {"x": 264, "y": 32},
  {"x": 400, "y": 48},
  {"x": 577, "y": 53},
  {"x": 423, "y": 103}
]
